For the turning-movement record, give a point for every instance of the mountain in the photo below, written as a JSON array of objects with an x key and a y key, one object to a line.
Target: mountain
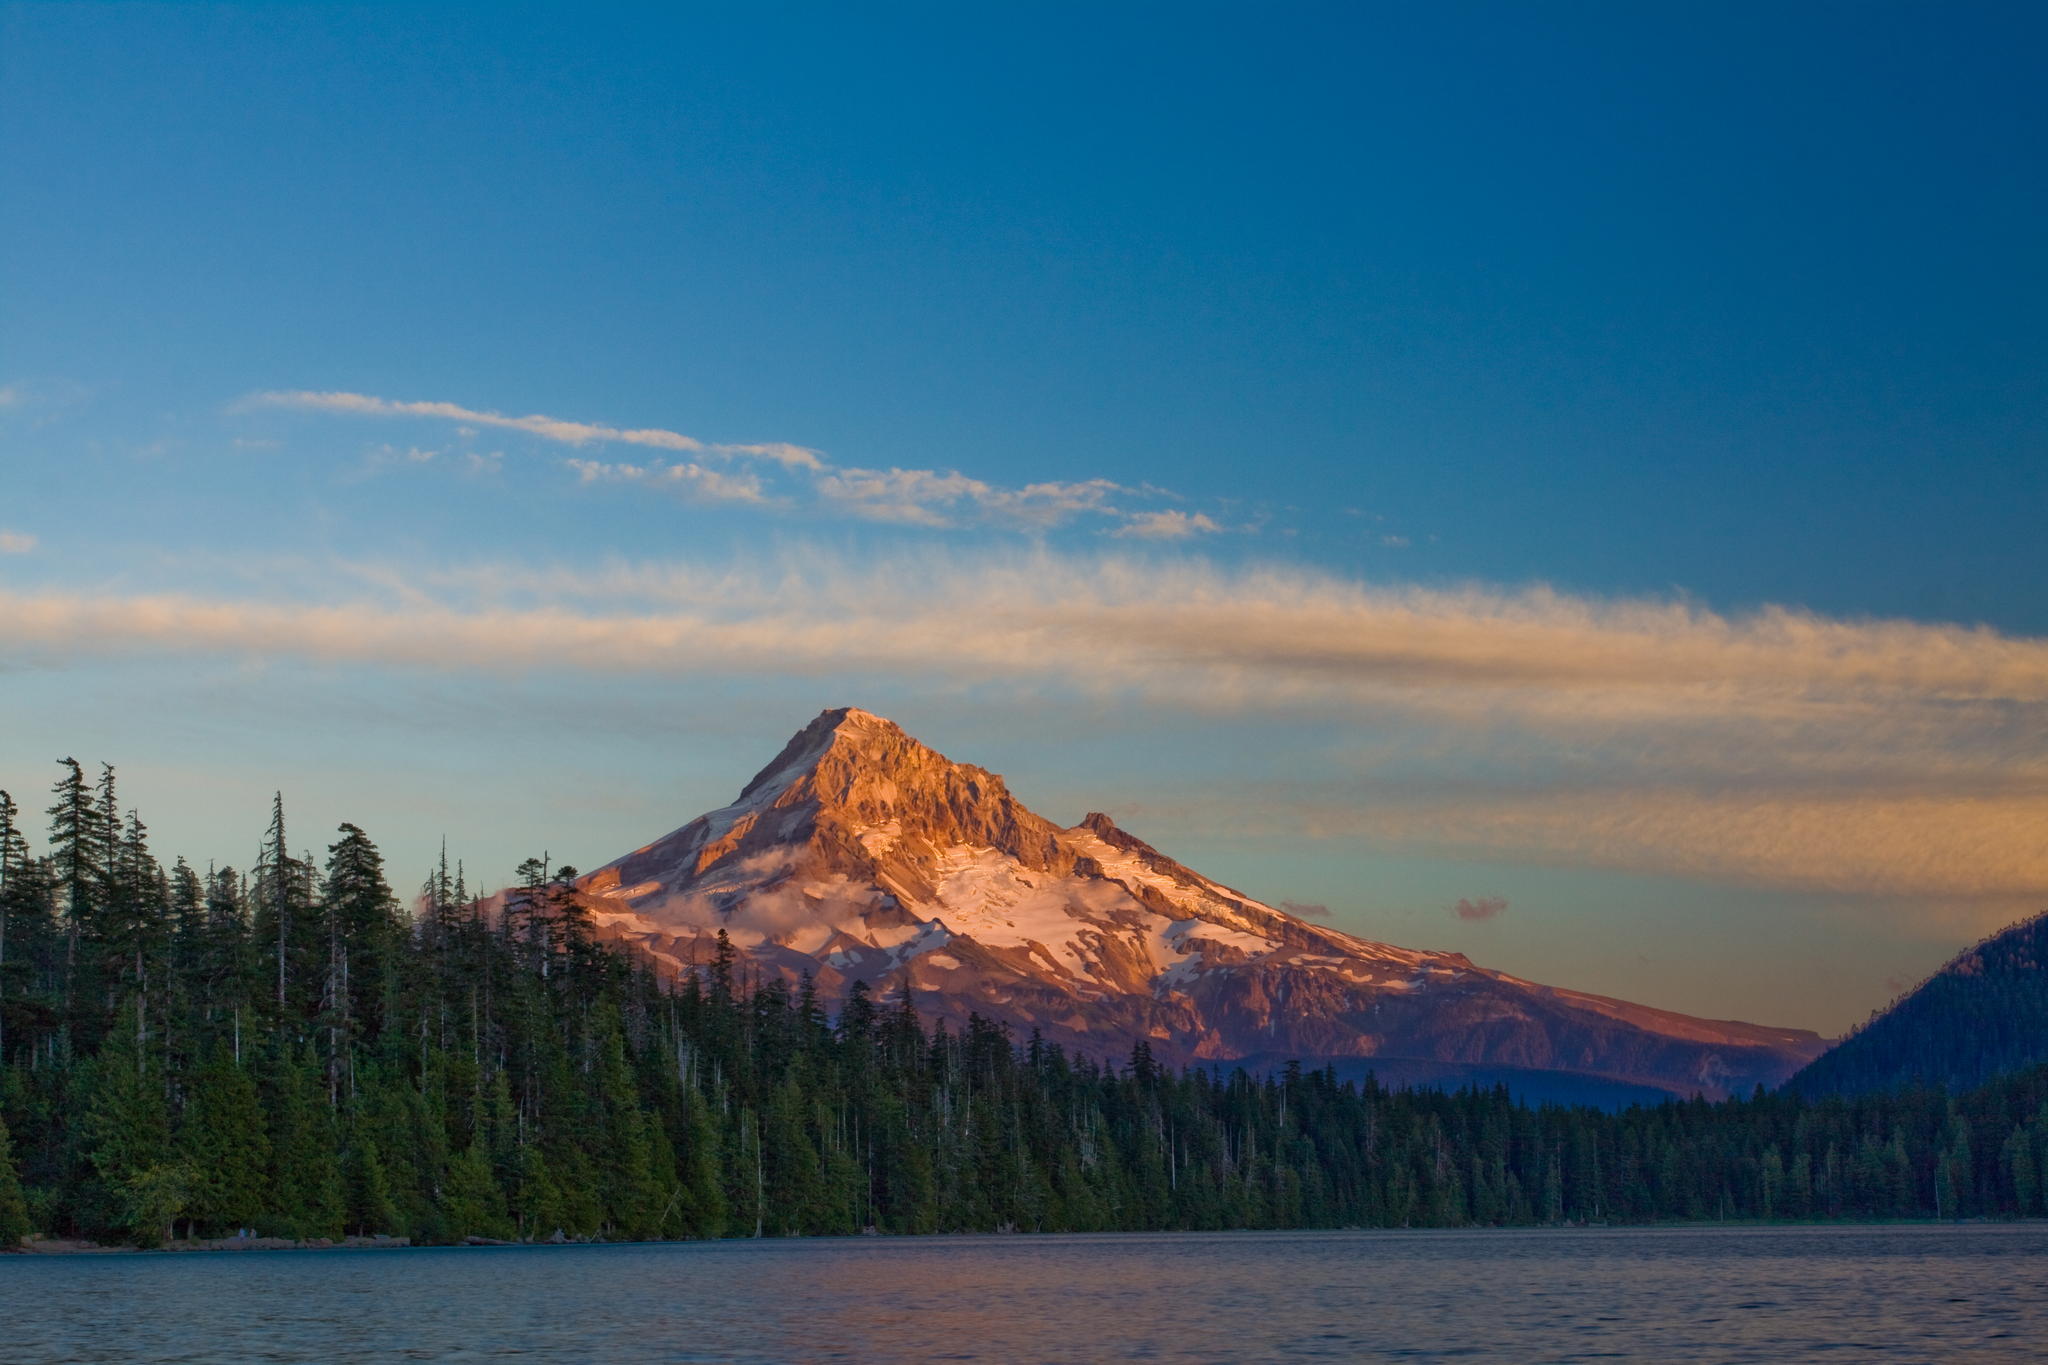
[
  {"x": 1980, "y": 1016},
  {"x": 859, "y": 854}
]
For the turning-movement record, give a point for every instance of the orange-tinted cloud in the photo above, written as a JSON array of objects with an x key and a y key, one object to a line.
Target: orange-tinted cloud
[{"x": 1777, "y": 747}]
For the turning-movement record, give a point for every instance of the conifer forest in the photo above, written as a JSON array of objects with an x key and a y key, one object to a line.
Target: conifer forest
[{"x": 293, "y": 1050}]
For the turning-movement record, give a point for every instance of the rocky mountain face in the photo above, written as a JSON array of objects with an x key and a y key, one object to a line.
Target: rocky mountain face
[
  {"x": 1985, "y": 1013},
  {"x": 859, "y": 854}
]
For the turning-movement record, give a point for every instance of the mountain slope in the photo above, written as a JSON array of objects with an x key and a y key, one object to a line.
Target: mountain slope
[
  {"x": 1983, "y": 1014},
  {"x": 860, "y": 854}
]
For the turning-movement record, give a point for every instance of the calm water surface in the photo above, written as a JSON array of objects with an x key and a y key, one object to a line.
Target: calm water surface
[{"x": 1836, "y": 1294}]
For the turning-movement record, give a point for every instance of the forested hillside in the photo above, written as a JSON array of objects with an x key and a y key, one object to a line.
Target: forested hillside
[
  {"x": 1982, "y": 1015},
  {"x": 190, "y": 1052}
]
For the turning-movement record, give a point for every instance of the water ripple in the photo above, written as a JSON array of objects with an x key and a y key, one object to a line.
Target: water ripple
[{"x": 1669, "y": 1295}]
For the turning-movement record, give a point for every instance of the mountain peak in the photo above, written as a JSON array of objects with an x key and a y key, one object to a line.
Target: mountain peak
[
  {"x": 851, "y": 797},
  {"x": 861, "y": 854},
  {"x": 836, "y": 728},
  {"x": 853, "y": 720}
]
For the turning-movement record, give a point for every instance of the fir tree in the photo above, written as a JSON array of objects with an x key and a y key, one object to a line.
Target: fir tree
[
  {"x": 305, "y": 1174},
  {"x": 78, "y": 855},
  {"x": 224, "y": 1136},
  {"x": 702, "y": 1198},
  {"x": 371, "y": 1210},
  {"x": 127, "y": 1138},
  {"x": 14, "y": 898},
  {"x": 538, "y": 1200},
  {"x": 472, "y": 1202},
  {"x": 14, "y": 1224}
]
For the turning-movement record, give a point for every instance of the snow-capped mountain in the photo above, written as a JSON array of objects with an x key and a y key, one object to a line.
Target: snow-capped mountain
[{"x": 860, "y": 854}]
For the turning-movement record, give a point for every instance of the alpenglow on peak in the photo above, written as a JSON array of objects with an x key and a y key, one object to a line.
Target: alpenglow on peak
[{"x": 860, "y": 854}]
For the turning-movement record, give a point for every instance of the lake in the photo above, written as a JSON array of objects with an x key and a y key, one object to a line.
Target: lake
[{"x": 1679, "y": 1294}]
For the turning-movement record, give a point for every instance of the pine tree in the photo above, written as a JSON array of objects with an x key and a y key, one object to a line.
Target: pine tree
[
  {"x": 362, "y": 933},
  {"x": 371, "y": 1210},
  {"x": 14, "y": 889},
  {"x": 126, "y": 1136},
  {"x": 305, "y": 1174},
  {"x": 284, "y": 924},
  {"x": 224, "y": 1137},
  {"x": 703, "y": 1195},
  {"x": 473, "y": 1203},
  {"x": 635, "y": 1193},
  {"x": 276, "y": 861},
  {"x": 539, "y": 1201},
  {"x": 2021, "y": 1172},
  {"x": 14, "y": 1224},
  {"x": 78, "y": 854}
]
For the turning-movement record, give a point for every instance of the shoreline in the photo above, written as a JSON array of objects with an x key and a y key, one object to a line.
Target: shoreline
[
  {"x": 58, "y": 1246},
  {"x": 78, "y": 1246}
]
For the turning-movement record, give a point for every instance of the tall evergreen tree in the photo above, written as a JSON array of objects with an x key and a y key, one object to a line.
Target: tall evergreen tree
[
  {"x": 14, "y": 864},
  {"x": 308, "y": 1199},
  {"x": 372, "y": 1212},
  {"x": 78, "y": 854},
  {"x": 14, "y": 1224},
  {"x": 126, "y": 1134},
  {"x": 225, "y": 1135},
  {"x": 363, "y": 938}
]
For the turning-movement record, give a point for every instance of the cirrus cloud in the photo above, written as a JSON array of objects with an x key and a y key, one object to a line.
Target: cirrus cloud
[
  {"x": 687, "y": 477},
  {"x": 547, "y": 428},
  {"x": 909, "y": 497},
  {"x": 1169, "y": 524}
]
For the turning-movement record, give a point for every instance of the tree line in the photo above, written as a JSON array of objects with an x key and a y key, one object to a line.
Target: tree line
[{"x": 288, "y": 1050}]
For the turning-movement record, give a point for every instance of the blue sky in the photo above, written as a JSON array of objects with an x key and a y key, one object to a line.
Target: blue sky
[{"x": 1592, "y": 457}]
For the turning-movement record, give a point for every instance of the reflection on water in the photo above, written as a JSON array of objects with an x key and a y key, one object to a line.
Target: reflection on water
[{"x": 1691, "y": 1294}]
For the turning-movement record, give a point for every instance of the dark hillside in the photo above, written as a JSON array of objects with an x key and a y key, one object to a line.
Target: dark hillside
[{"x": 1983, "y": 1015}]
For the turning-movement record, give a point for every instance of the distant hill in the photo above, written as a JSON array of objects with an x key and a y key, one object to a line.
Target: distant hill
[{"x": 1979, "y": 1017}]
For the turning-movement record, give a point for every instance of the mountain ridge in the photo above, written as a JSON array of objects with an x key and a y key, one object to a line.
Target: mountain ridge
[{"x": 860, "y": 854}]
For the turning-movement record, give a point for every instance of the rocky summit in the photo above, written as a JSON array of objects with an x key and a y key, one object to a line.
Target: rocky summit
[{"x": 859, "y": 854}]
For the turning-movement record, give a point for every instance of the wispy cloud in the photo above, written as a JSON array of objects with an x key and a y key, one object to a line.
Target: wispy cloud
[
  {"x": 481, "y": 463},
  {"x": 688, "y": 478},
  {"x": 1778, "y": 746},
  {"x": 916, "y": 497},
  {"x": 42, "y": 399},
  {"x": 547, "y": 428},
  {"x": 390, "y": 454},
  {"x": 794, "y": 477},
  {"x": 1170, "y": 524},
  {"x": 16, "y": 542},
  {"x": 925, "y": 497}
]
